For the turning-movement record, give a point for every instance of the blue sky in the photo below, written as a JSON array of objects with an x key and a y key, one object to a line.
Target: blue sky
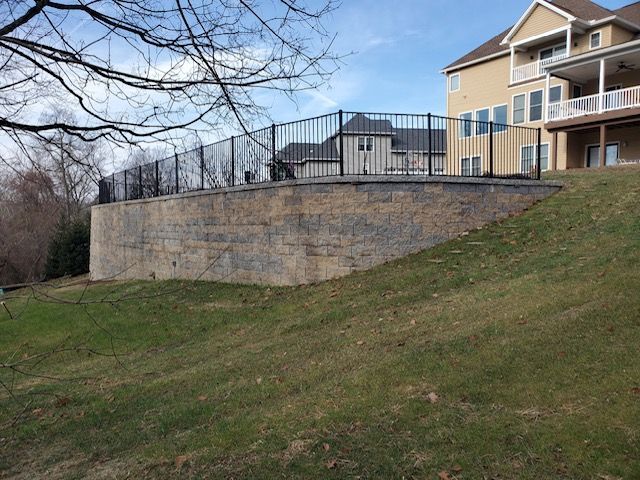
[{"x": 399, "y": 48}]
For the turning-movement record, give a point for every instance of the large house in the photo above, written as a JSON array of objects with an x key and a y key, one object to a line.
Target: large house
[
  {"x": 570, "y": 67},
  {"x": 371, "y": 145}
]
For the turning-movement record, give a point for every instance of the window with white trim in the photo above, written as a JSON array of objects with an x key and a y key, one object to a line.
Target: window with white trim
[
  {"x": 466, "y": 124},
  {"x": 595, "y": 40},
  {"x": 555, "y": 94},
  {"x": 528, "y": 158},
  {"x": 519, "y": 108},
  {"x": 553, "y": 52},
  {"x": 577, "y": 91},
  {"x": 454, "y": 82},
  {"x": 471, "y": 166},
  {"x": 365, "y": 144},
  {"x": 482, "y": 121},
  {"x": 535, "y": 105},
  {"x": 500, "y": 118}
]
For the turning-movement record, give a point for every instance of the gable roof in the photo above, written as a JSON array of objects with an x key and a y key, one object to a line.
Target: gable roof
[
  {"x": 585, "y": 10},
  {"x": 362, "y": 124}
]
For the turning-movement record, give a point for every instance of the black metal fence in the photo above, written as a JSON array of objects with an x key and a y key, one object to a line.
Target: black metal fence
[{"x": 342, "y": 143}]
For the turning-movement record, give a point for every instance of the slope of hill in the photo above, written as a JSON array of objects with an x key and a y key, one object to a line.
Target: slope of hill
[{"x": 509, "y": 353}]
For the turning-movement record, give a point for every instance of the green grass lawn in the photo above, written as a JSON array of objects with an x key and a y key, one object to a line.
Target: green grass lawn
[{"x": 513, "y": 352}]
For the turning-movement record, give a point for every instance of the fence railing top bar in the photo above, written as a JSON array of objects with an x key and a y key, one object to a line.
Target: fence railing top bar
[{"x": 309, "y": 119}]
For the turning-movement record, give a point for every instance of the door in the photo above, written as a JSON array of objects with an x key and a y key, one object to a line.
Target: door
[{"x": 611, "y": 155}]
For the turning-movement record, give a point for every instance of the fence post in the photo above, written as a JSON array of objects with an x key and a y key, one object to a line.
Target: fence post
[
  {"x": 340, "y": 118},
  {"x": 491, "y": 171},
  {"x": 157, "y": 180},
  {"x": 539, "y": 153},
  {"x": 177, "y": 173},
  {"x": 273, "y": 146},
  {"x": 113, "y": 186},
  {"x": 141, "y": 193},
  {"x": 126, "y": 195},
  {"x": 201, "y": 167},
  {"x": 233, "y": 161},
  {"x": 429, "y": 144}
]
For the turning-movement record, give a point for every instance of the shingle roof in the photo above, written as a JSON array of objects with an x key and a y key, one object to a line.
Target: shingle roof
[
  {"x": 583, "y": 9},
  {"x": 417, "y": 139},
  {"x": 300, "y": 152},
  {"x": 630, "y": 12},
  {"x": 362, "y": 124}
]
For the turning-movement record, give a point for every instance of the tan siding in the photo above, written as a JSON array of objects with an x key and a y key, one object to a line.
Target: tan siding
[
  {"x": 620, "y": 35},
  {"x": 486, "y": 85},
  {"x": 540, "y": 21}
]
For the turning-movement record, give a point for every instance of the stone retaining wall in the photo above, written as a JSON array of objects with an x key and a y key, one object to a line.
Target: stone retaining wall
[{"x": 298, "y": 231}]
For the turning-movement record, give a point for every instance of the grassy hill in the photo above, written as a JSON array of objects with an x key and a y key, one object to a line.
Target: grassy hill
[{"x": 510, "y": 353}]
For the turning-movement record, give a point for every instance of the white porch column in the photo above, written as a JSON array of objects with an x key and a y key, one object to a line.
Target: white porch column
[
  {"x": 601, "y": 86},
  {"x": 512, "y": 64},
  {"x": 546, "y": 97},
  {"x": 569, "y": 41}
]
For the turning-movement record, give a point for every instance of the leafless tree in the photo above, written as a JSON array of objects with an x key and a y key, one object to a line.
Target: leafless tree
[
  {"x": 138, "y": 69},
  {"x": 74, "y": 165},
  {"x": 29, "y": 210}
]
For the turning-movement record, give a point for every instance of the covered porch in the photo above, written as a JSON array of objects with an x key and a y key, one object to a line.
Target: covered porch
[
  {"x": 605, "y": 86},
  {"x": 602, "y": 145}
]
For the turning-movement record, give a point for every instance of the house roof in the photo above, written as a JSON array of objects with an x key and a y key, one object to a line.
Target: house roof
[
  {"x": 583, "y": 9},
  {"x": 362, "y": 124},
  {"x": 630, "y": 12},
  {"x": 417, "y": 139},
  {"x": 299, "y": 152}
]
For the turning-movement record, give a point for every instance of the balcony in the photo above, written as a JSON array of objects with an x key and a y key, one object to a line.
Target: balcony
[
  {"x": 626, "y": 98},
  {"x": 531, "y": 71}
]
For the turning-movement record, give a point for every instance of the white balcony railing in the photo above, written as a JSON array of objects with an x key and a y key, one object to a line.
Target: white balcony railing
[
  {"x": 594, "y": 104},
  {"x": 533, "y": 70}
]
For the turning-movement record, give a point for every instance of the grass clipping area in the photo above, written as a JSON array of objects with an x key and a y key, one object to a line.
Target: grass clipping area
[{"x": 512, "y": 352}]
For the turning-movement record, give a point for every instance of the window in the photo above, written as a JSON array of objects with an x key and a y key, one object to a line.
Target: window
[
  {"x": 595, "y": 40},
  {"x": 482, "y": 121},
  {"x": 549, "y": 53},
  {"x": 365, "y": 144},
  {"x": 454, "y": 82},
  {"x": 555, "y": 94},
  {"x": 535, "y": 106},
  {"x": 471, "y": 166},
  {"x": 528, "y": 158},
  {"x": 519, "y": 108},
  {"x": 577, "y": 91},
  {"x": 500, "y": 118},
  {"x": 465, "y": 125}
]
